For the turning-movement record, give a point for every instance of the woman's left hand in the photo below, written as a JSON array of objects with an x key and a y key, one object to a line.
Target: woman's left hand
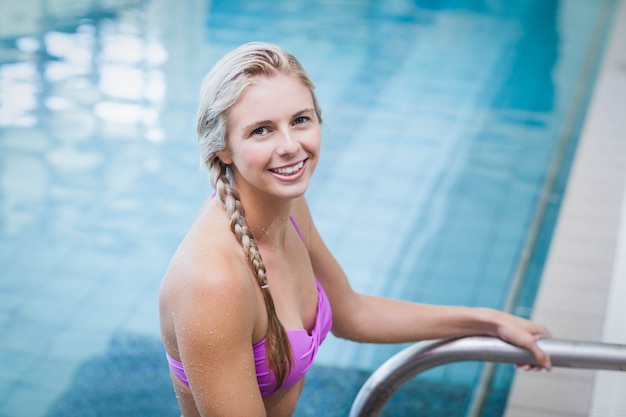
[{"x": 525, "y": 334}]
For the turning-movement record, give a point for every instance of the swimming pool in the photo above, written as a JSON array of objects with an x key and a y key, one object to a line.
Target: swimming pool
[{"x": 442, "y": 121}]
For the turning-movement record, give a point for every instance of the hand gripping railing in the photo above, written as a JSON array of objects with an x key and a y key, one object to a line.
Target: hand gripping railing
[{"x": 403, "y": 366}]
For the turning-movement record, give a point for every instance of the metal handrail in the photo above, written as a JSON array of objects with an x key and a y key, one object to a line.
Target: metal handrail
[{"x": 406, "y": 364}]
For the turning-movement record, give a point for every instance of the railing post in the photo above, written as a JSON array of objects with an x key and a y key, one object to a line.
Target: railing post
[{"x": 408, "y": 363}]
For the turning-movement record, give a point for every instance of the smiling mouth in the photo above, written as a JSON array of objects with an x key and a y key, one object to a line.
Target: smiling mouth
[{"x": 288, "y": 170}]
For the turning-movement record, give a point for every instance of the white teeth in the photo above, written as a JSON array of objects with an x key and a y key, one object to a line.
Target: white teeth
[{"x": 289, "y": 170}]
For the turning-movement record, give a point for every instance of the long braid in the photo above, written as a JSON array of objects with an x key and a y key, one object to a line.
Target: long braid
[
  {"x": 222, "y": 87},
  {"x": 277, "y": 347}
]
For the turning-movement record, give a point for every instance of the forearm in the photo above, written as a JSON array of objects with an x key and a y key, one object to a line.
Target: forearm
[{"x": 380, "y": 320}]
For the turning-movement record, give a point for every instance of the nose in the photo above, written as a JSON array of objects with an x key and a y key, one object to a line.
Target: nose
[{"x": 287, "y": 143}]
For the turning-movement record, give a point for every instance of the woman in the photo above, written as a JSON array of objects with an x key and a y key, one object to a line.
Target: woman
[{"x": 253, "y": 264}]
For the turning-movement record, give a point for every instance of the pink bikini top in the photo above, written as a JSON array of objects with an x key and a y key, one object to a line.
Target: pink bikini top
[{"x": 304, "y": 346}]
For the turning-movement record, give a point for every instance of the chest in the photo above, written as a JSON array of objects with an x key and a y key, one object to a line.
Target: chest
[{"x": 292, "y": 283}]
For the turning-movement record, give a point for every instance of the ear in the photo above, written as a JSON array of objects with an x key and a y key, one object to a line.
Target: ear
[{"x": 225, "y": 157}]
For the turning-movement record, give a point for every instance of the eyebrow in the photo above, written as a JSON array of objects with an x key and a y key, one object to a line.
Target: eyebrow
[{"x": 254, "y": 125}]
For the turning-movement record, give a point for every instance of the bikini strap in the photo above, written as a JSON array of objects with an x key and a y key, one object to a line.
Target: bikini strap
[{"x": 293, "y": 221}]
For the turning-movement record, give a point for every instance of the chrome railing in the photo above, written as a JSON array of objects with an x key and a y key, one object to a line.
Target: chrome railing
[{"x": 408, "y": 363}]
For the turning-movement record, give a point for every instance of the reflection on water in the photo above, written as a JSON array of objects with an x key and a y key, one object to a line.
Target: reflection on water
[{"x": 97, "y": 76}]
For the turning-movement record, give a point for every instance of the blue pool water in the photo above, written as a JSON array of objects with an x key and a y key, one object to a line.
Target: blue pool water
[{"x": 443, "y": 119}]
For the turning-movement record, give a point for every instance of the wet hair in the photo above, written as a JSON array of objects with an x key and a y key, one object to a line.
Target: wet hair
[{"x": 221, "y": 89}]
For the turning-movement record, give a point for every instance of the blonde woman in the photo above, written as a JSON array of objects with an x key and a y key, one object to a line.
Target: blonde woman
[{"x": 252, "y": 290}]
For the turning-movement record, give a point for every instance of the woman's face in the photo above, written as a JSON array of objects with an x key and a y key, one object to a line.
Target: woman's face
[{"x": 274, "y": 137}]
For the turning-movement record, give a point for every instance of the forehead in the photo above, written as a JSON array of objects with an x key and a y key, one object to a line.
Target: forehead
[{"x": 269, "y": 98}]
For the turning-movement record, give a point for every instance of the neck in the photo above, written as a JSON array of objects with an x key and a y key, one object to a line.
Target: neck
[{"x": 268, "y": 218}]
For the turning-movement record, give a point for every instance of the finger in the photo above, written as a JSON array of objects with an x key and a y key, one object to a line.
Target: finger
[{"x": 542, "y": 358}]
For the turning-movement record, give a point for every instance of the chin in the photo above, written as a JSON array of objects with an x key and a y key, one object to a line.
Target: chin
[{"x": 294, "y": 193}]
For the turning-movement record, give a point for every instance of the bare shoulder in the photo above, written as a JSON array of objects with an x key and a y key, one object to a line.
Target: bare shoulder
[
  {"x": 208, "y": 279},
  {"x": 215, "y": 270},
  {"x": 209, "y": 309}
]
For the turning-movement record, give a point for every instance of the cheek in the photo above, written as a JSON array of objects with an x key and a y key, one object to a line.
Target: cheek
[
  {"x": 314, "y": 141},
  {"x": 252, "y": 157}
]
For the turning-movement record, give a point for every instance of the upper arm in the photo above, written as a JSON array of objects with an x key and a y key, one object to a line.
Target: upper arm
[{"x": 214, "y": 320}]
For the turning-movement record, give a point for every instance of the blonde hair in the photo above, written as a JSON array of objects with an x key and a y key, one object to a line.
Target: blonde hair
[{"x": 221, "y": 89}]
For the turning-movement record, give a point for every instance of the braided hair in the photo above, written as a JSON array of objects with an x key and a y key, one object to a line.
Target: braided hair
[{"x": 220, "y": 90}]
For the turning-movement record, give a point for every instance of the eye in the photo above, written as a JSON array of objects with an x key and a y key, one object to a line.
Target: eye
[
  {"x": 301, "y": 120},
  {"x": 259, "y": 131}
]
